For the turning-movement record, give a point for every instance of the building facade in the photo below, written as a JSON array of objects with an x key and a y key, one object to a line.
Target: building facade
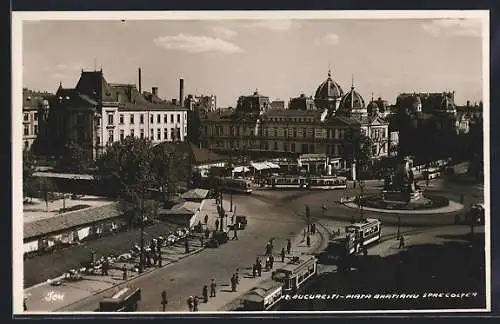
[
  {"x": 96, "y": 113},
  {"x": 330, "y": 124},
  {"x": 35, "y": 104}
]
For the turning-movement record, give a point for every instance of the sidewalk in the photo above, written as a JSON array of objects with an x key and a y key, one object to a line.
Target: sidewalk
[
  {"x": 45, "y": 297},
  {"x": 227, "y": 300}
]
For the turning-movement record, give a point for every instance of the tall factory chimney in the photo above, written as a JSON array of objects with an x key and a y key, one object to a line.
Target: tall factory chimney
[
  {"x": 140, "y": 81},
  {"x": 181, "y": 92}
]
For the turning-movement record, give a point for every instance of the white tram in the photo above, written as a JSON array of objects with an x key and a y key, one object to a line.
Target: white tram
[
  {"x": 327, "y": 183},
  {"x": 265, "y": 296},
  {"x": 286, "y": 182},
  {"x": 365, "y": 232},
  {"x": 300, "y": 182},
  {"x": 296, "y": 273}
]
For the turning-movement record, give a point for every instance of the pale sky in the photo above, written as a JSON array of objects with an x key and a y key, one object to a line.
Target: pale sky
[{"x": 280, "y": 58}]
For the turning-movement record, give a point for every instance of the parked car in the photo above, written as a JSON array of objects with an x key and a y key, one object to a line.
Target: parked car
[
  {"x": 217, "y": 239},
  {"x": 475, "y": 214}
]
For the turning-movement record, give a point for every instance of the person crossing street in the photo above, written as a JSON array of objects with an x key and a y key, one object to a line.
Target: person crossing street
[{"x": 213, "y": 285}]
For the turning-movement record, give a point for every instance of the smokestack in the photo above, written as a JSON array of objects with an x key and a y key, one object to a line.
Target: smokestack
[
  {"x": 181, "y": 92},
  {"x": 154, "y": 90},
  {"x": 140, "y": 81}
]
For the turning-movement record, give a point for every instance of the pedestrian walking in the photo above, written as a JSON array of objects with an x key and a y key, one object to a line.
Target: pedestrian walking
[
  {"x": 233, "y": 283},
  {"x": 216, "y": 224},
  {"x": 24, "y": 304},
  {"x": 202, "y": 241},
  {"x": 235, "y": 234},
  {"x": 160, "y": 260},
  {"x": 124, "y": 270},
  {"x": 254, "y": 270},
  {"x": 237, "y": 276},
  {"x": 105, "y": 267},
  {"x": 195, "y": 304},
  {"x": 308, "y": 241},
  {"x": 213, "y": 285},
  {"x": 283, "y": 255},
  {"x": 190, "y": 303},
  {"x": 313, "y": 228},
  {"x": 205, "y": 294},
  {"x": 186, "y": 245},
  {"x": 288, "y": 246},
  {"x": 305, "y": 232},
  {"x": 271, "y": 261},
  {"x": 206, "y": 219},
  {"x": 164, "y": 300},
  {"x": 401, "y": 242},
  {"x": 259, "y": 269}
]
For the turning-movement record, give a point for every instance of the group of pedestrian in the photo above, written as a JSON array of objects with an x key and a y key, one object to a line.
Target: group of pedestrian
[
  {"x": 193, "y": 301},
  {"x": 235, "y": 280}
]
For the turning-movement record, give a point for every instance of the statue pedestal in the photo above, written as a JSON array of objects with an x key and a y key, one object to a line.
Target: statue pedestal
[{"x": 400, "y": 197}]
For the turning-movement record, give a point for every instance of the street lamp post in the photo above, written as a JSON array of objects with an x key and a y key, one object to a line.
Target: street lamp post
[
  {"x": 141, "y": 256},
  {"x": 399, "y": 227},
  {"x": 361, "y": 189}
]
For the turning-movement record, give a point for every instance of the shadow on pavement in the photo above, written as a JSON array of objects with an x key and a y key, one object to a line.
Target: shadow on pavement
[{"x": 450, "y": 267}]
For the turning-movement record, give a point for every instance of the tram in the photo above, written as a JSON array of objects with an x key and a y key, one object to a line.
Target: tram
[
  {"x": 296, "y": 273},
  {"x": 264, "y": 297},
  {"x": 125, "y": 300},
  {"x": 327, "y": 183},
  {"x": 286, "y": 182},
  {"x": 228, "y": 184},
  {"x": 365, "y": 232},
  {"x": 300, "y": 182}
]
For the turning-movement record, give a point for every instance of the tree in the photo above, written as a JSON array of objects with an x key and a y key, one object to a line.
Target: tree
[
  {"x": 74, "y": 158},
  {"x": 170, "y": 165},
  {"x": 126, "y": 169},
  {"x": 29, "y": 189}
]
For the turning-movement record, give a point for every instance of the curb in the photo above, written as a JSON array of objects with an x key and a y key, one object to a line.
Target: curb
[{"x": 131, "y": 279}]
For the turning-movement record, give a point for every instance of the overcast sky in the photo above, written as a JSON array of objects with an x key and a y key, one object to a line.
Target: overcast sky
[{"x": 280, "y": 58}]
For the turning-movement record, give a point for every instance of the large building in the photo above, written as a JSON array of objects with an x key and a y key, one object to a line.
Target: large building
[
  {"x": 332, "y": 123},
  {"x": 95, "y": 113},
  {"x": 427, "y": 123},
  {"x": 35, "y": 104}
]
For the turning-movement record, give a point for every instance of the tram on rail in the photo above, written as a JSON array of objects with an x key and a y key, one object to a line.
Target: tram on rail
[
  {"x": 301, "y": 182},
  {"x": 228, "y": 184},
  {"x": 365, "y": 232},
  {"x": 351, "y": 242},
  {"x": 290, "y": 279}
]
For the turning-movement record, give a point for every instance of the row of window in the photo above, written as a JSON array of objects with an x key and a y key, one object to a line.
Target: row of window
[
  {"x": 175, "y": 134},
  {"x": 27, "y": 116},
  {"x": 141, "y": 118},
  {"x": 291, "y": 119},
  {"x": 27, "y": 130}
]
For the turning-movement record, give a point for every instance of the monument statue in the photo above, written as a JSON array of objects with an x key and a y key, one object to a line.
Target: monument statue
[{"x": 400, "y": 185}]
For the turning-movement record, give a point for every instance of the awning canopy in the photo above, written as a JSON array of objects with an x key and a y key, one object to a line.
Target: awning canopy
[
  {"x": 240, "y": 169},
  {"x": 264, "y": 165}
]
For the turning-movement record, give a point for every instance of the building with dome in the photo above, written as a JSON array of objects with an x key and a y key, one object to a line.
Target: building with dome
[
  {"x": 328, "y": 95},
  {"x": 427, "y": 122},
  {"x": 329, "y": 124}
]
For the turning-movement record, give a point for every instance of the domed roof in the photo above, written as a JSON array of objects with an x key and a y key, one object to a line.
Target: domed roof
[
  {"x": 352, "y": 100},
  {"x": 329, "y": 89}
]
